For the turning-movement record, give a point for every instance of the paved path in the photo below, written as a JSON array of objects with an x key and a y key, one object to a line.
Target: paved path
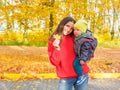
[{"x": 96, "y": 84}]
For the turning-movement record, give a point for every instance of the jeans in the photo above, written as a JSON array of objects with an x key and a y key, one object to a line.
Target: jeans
[{"x": 68, "y": 83}]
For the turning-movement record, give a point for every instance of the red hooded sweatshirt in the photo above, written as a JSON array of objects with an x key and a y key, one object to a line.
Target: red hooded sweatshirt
[{"x": 63, "y": 59}]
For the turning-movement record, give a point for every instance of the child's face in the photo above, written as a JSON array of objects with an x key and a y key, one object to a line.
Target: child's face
[{"x": 77, "y": 32}]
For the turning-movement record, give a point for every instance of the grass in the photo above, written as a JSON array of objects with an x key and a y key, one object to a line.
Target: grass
[{"x": 18, "y": 43}]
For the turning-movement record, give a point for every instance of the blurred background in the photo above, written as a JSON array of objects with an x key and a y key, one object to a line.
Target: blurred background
[
  {"x": 25, "y": 26},
  {"x": 31, "y": 22}
]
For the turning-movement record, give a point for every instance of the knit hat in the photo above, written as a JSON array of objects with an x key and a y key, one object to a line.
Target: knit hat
[{"x": 81, "y": 25}]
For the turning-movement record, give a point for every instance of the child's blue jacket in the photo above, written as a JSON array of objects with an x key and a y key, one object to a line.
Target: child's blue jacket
[{"x": 82, "y": 48}]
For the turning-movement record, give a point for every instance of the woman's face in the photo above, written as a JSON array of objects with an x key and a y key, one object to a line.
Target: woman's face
[{"x": 68, "y": 28}]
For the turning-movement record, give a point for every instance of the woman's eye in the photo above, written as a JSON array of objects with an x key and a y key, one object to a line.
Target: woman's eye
[{"x": 67, "y": 25}]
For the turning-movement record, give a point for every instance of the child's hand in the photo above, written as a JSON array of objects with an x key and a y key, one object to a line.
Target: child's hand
[{"x": 82, "y": 62}]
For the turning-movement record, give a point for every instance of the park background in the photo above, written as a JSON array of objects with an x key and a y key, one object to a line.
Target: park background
[{"x": 25, "y": 26}]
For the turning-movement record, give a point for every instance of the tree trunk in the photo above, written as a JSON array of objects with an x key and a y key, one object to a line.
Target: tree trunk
[{"x": 51, "y": 17}]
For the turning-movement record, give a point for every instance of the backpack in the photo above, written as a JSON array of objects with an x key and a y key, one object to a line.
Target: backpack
[{"x": 93, "y": 44}]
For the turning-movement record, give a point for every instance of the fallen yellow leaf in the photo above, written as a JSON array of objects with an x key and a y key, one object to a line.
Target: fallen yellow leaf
[{"x": 18, "y": 87}]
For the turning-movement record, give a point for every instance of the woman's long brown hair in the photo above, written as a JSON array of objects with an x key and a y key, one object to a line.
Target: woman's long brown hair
[{"x": 60, "y": 27}]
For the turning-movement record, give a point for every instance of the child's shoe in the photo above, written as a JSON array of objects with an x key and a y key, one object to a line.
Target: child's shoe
[{"x": 81, "y": 79}]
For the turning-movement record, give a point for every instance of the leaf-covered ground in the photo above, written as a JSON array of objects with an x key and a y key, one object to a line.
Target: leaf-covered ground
[{"x": 34, "y": 60}]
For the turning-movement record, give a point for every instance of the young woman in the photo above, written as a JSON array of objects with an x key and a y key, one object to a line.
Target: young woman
[{"x": 61, "y": 54}]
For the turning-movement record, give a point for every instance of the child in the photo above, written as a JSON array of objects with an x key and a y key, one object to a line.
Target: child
[{"x": 82, "y": 48}]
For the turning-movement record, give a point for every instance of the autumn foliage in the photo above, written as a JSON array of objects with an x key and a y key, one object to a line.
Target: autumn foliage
[
  {"x": 31, "y": 22},
  {"x": 27, "y": 22},
  {"x": 27, "y": 62}
]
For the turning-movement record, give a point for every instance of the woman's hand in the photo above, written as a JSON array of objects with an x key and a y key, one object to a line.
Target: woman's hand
[
  {"x": 56, "y": 44},
  {"x": 82, "y": 62}
]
